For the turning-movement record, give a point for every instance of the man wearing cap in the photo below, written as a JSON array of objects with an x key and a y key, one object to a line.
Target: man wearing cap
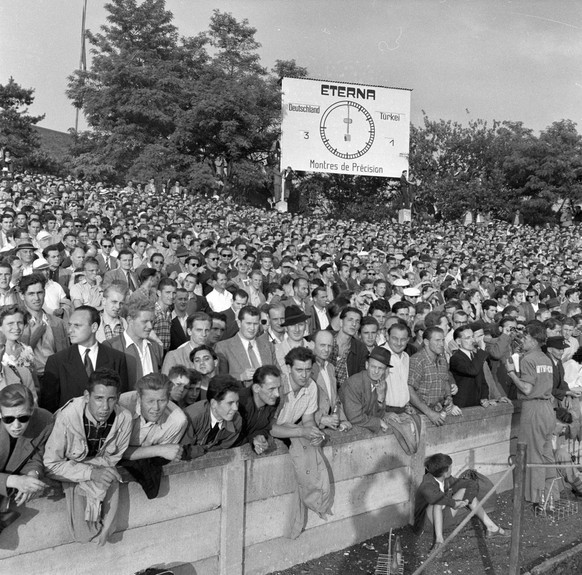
[
  {"x": 179, "y": 266},
  {"x": 363, "y": 395},
  {"x": 398, "y": 286},
  {"x": 25, "y": 253},
  {"x": 555, "y": 347}
]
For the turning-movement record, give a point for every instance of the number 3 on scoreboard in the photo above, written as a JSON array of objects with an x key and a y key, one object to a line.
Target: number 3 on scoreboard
[{"x": 306, "y": 135}]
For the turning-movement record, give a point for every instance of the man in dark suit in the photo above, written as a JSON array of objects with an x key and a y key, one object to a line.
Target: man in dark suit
[
  {"x": 124, "y": 272},
  {"x": 67, "y": 372},
  {"x": 240, "y": 298},
  {"x": 466, "y": 365},
  {"x": 178, "y": 332},
  {"x": 106, "y": 261},
  {"x": 142, "y": 355},
  {"x": 319, "y": 315},
  {"x": 56, "y": 273},
  {"x": 244, "y": 353}
]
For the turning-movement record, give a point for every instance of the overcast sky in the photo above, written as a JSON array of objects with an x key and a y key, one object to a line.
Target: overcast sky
[{"x": 508, "y": 60}]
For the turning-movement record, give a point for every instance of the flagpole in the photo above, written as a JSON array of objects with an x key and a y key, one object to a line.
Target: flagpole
[{"x": 83, "y": 58}]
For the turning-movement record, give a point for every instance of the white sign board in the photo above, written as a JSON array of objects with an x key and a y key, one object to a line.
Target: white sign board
[{"x": 344, "y": 128}]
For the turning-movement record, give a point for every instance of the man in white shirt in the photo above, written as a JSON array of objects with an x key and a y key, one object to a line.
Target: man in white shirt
[
  {"x": 112, "y": 324},
  {"x": 397, "y": 393},
  {"x": 158, "y": 424},
  {"x": 88, "y": 290},
  {"x": 219, "y": 299}
]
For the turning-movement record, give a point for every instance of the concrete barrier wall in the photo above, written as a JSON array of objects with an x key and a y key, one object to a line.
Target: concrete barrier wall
[{"x": 225, "y": 512}]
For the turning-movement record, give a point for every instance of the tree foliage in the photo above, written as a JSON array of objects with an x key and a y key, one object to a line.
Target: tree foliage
[
  {"x": 17, "y": 133},
  {"x": 495, "y": 168}
]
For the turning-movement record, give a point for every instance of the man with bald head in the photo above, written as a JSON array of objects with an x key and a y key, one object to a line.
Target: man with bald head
[{"x": 330, "y": 412}]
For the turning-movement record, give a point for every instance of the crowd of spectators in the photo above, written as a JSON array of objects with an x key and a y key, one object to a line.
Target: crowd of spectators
[{"x": 141, "y": 325}]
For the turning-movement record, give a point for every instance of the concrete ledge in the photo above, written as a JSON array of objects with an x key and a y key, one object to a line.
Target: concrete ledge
[{"x": 224, "y": 513}]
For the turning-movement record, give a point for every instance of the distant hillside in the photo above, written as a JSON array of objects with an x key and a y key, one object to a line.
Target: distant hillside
[{"x": 53, "y": 142}]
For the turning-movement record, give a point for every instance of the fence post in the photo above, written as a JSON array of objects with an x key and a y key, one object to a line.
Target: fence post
[
  {"x": 232, "y": 524},
  {"x": 518, "y": 487}
]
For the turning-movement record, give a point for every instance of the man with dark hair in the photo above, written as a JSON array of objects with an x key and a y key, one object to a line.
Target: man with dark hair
[
  {"x": 467, "y": 367},
  {"x": 214, "y": 423},
  {"x": 240, "y": 299},
  {"x": 158, "y": 423},
  {"x": 348, "y": 354},
  {"x": 219, "y": 299},
  {"x": 166, "y": 293},
  {"x": 124, "y": 272},
  {"x": 430, "y": 382},
  {"x": 257, "y": 406},
  {"x": 442, "y": 500},
  {"x": 44, "y": 333},
  {"x": 244, "y": 353},
  {"x": 296, "y": 425},
  {"x": 90, "y": 436},
  {"x": 197, "y": 327},
  {"x": 178, "y": 327},
  {"x": 67, "y": 372}
]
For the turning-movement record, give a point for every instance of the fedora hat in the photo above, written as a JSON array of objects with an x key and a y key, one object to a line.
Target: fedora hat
[{"x": 294, "y": 315}]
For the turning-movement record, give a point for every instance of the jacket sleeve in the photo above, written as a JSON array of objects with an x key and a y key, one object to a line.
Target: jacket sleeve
[
  {"x": 56, "y": 462},
  {"x": 499, "y": 346},
  {"x": 465, "y": 366},
  {"x": 50, "y": 391},
  {"x": 434, "y": 496}
]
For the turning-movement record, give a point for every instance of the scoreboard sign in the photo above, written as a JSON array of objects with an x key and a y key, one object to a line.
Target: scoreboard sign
[{"x": 344, "y": 128}]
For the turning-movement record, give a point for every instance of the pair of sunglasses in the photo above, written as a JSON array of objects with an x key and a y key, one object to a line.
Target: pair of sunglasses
[{"x": 8, "y": 419}]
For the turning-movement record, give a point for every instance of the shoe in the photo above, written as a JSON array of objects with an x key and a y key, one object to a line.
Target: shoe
[{"x": 501, "y": 533}]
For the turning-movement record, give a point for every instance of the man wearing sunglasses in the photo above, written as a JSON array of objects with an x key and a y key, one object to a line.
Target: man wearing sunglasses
[{"x": 21, "y": 425}]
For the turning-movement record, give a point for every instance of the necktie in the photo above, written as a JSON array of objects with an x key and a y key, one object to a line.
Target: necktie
[
  {"x": 87, "y": 363},
  {"x": 253, "y": 357},
  {"x": 130, "y": 282},
  {"x": 213, "y": 433},
  {"x": 107, "y": 266}
]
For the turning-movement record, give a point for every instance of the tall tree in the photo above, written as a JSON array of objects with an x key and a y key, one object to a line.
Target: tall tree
[
  {"x": 139, "y": 79},
  {"x": 234, "y": 109},
  {"x": 17, "y": 132}
]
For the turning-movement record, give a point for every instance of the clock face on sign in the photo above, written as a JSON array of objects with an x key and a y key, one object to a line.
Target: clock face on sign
[{"x": 347, "y": 129}]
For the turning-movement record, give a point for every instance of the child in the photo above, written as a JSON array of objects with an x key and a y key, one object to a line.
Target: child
[{"x": 442, "y": 500}]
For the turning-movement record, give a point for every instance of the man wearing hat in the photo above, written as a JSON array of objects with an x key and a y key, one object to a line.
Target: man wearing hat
[
  {"x": 295, "y": 325},
  {"x": 363, "y": 394},
  {"x": 398, "y": 286},
  {"x": 25, "y": 253},
  {"x": 179, "y": 266}
]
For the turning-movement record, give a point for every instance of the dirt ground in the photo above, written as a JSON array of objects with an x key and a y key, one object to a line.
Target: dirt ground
[{"x": 470, "y": 553}]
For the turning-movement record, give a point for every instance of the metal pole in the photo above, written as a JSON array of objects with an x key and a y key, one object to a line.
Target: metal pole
[
  {"x": 518, "y": 488},
  {"x": 83, "y": 58},
  {"x": 436, "y": 553}
]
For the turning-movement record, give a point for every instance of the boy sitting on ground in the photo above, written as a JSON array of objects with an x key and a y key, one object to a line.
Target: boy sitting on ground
[{"x": 442, "y": 501}]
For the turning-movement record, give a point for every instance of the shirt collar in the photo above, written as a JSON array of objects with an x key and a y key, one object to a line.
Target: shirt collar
[{"x": 83, "y": 348}]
